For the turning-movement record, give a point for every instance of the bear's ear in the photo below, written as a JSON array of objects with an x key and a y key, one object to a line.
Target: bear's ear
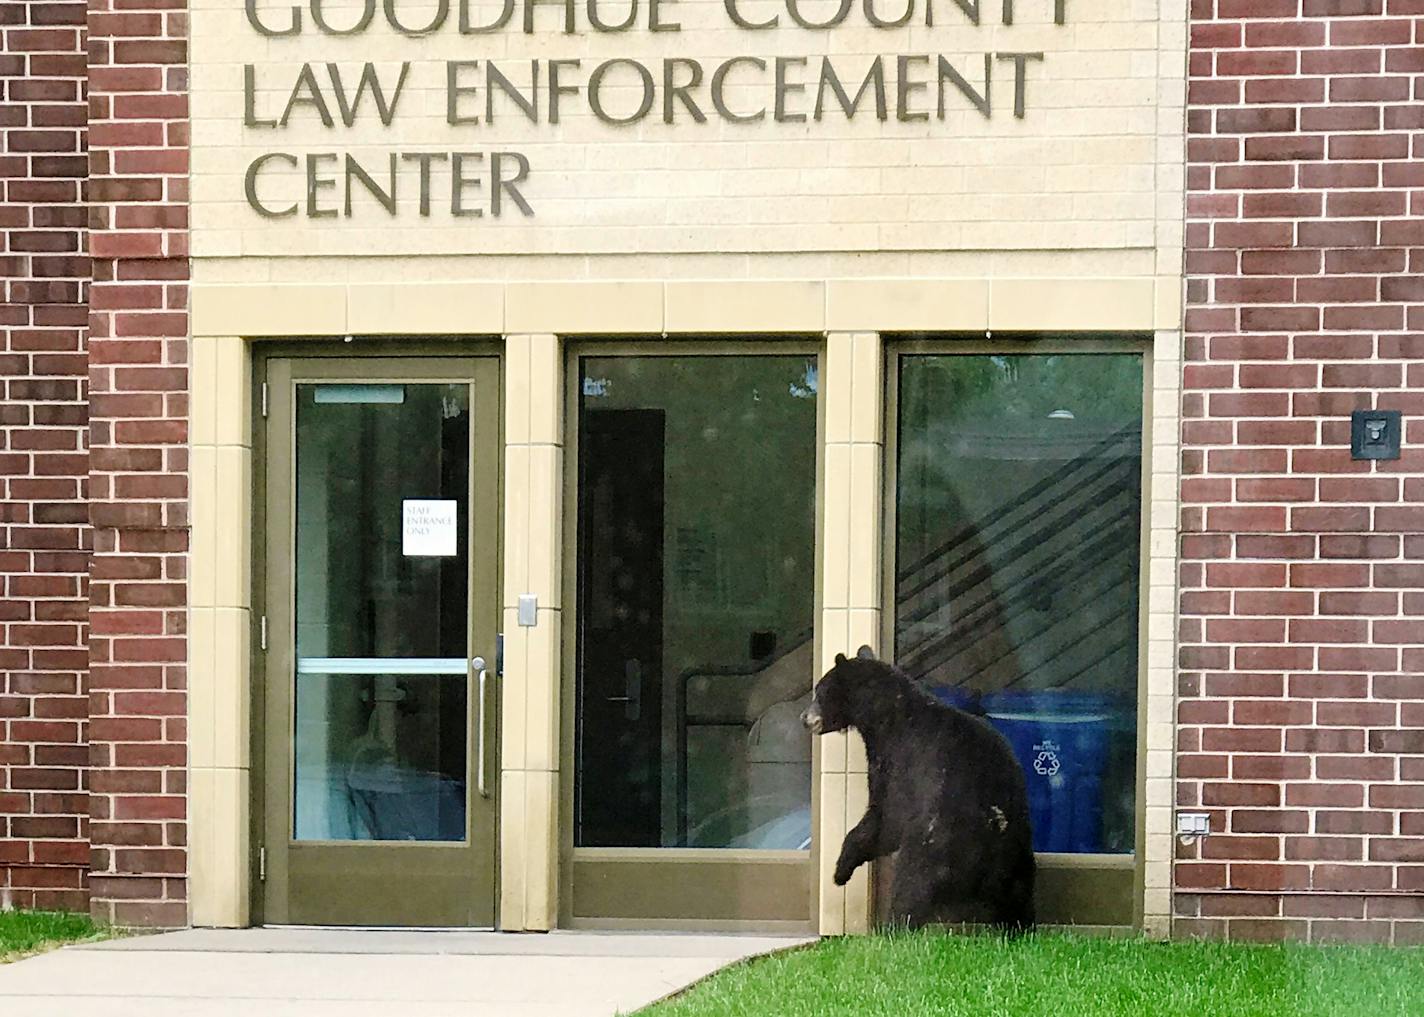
[
  {"x": 865, "y": 653},
  {"x": 840, "y": 659}
]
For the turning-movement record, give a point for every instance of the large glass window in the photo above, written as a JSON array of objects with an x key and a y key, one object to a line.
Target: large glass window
[
  {"x": 382, "y": 615},
  {"x": 696, "y": 565},
  {"x": 1017, "y": 549}
]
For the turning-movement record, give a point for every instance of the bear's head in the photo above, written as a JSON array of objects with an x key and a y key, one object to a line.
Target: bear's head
[{"x": 849, "y": 693}]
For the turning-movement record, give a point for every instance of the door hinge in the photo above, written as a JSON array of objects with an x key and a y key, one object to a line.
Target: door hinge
[
  {"x": 264, "y": 399},
  {"x": 262, "y": 633},
  {"x": 262, "y": 864}
]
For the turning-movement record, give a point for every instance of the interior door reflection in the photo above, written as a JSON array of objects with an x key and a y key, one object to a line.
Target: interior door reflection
[{"x": 695, "y": 568}]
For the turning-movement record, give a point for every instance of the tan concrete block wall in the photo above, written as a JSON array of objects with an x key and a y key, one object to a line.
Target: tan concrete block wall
[
  {"x": 1160, "y": 593},
  {"x": 961, "y": 224},
  {"x": 530, "y": 687},
  {"x": 850, "y": 602},
  {"x": 460, "y": 277},
  {"x": 1080, "y": 170},
  {"x": 219, "y": 631}
]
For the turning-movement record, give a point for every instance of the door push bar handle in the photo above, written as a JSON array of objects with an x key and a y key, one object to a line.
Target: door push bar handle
[{"x": 478, "y": 665}]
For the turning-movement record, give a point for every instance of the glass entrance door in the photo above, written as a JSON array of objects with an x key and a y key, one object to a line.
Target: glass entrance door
[{"x": 381, "y": 687}]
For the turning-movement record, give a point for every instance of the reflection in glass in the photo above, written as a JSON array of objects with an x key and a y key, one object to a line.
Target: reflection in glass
[
  {"x": 382, "y": 612},
  {"x": 1018, "y": 522},
  {"x": 386, "y": 782},
  {"x": 696, "y": 563}
]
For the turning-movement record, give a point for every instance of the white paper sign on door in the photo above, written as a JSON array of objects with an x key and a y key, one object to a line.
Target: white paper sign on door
[{"x": 428, "y": 528}]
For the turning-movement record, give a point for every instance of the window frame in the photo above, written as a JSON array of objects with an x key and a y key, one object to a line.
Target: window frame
[
  {"x": 637, "y": 876},
  {"x": 1072, "y": 883}
]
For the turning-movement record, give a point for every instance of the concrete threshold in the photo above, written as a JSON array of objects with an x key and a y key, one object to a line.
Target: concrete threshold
[{"x": 301, "y": 939}]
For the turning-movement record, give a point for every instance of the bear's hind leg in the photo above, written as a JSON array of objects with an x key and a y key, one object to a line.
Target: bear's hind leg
[
  {"x": 1006, "y": 897},
  {"x": 1017, "y": 908},
  {"x": 925, "y": 891}
]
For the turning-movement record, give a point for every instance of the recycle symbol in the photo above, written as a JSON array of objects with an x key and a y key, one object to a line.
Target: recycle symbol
[{"x": 1047, "y": 764}]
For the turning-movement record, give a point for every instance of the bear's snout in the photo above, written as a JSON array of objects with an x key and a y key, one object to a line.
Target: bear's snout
[{"x": 811, "y": 717}]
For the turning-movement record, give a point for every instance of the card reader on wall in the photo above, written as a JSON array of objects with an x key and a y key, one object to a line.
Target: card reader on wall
[
  {"x": 1376, "y": 434},
  {"x": 528, "y": 610}
]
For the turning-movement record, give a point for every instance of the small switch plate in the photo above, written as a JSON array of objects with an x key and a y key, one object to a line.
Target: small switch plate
[
  {"x": 1376, "y": 434},
  {"x": 528, "y": 610},
  {"x": 1193, "y": 824}
]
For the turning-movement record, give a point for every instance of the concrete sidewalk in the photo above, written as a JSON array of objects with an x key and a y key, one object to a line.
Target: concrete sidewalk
[{"x": 361, "y": 973}]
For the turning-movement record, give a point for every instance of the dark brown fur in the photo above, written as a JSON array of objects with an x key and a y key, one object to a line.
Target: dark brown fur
[{"x": 946, "y": 792}]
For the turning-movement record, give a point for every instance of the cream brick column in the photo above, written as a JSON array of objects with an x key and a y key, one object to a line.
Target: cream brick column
[
  {"x": 530, "y": 687},
  {"x": 1160, "y": 741},
  {"x": 219, "y": 628},
  {"x": 850, "y": 600}
]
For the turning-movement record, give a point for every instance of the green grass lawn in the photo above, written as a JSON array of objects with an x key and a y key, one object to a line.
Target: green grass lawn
[
  {"x": 1056, "y": 975},
  {"x": 26, "y": 932}
]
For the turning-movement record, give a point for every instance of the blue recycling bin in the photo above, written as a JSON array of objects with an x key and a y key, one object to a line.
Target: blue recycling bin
[{"x": 1061, "y": 740}]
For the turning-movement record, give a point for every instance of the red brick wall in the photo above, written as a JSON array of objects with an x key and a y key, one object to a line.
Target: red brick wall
[
  {"x": 43, "y": 536},
  {"x": 138, "y": 355},
  {"x": 1302, "y": 604}
]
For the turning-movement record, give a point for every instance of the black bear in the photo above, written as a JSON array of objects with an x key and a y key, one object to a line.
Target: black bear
[{"x": 946, "y": 792}]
